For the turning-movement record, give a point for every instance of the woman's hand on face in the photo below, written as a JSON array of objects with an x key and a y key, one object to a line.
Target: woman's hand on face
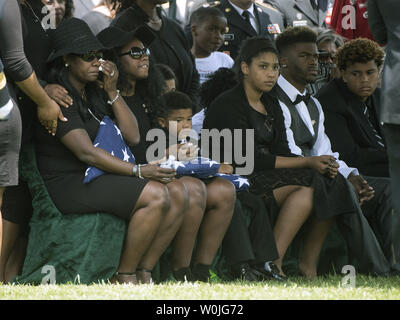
[
  {"x": 154, "y": 172},
  {"x": 110, "y": 77},
  {"x": 325, "y": 165},
  {"x": 225, "y": 168}
]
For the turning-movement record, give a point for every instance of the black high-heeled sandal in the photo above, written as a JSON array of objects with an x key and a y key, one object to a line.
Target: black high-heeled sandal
[
  {"x": 124, "y": 278},
  {"x": 144, "y": 276}
]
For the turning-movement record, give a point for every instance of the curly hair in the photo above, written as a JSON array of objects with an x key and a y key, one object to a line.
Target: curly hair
[
  {"x": 293, "y": 35},
  {"x": 359, "y": 50},
  {"x": 221, "y": 80}
]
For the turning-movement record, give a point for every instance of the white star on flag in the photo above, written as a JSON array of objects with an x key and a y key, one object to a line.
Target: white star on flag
[
  {"x": 118, "y": 131},
  {"x": 179, "y": 164},
  {"x": 126, "y": 155},
  {"x": 242, "y": 181}
]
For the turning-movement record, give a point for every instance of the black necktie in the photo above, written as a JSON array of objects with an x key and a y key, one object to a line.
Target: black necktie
[
  {"x": 379, "y": 139},
  {"x": 300, "y": 98},
  {"x": 246, "y": 16}
]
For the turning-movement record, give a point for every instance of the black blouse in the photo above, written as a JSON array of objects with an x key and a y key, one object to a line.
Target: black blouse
[
  {"x": 138, "y": 107},
  {"x": 231, "y": 110}
]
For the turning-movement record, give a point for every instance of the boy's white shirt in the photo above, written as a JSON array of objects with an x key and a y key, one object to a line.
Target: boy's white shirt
[
  {"x": 323, "y": 145},
  {"x": 207, "y": 66}
]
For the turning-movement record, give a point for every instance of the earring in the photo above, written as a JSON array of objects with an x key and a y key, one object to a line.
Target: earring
[{"x": 66, "y": 65}]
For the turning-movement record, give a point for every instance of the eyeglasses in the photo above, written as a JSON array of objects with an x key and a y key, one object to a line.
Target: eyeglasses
[
  {"x": 90, "y": 56},
  {"x": 137, "y": 53}
]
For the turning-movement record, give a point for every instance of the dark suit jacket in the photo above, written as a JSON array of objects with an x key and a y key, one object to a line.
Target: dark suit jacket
[
  {"x": 383, "y": 19},
  {"x": 350, "y": 132},
  {"x": 239, "y": 30},
  {"x": 294, "y": 11}
]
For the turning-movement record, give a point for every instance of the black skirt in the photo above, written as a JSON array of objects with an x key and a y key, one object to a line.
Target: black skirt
[
  {"x": 109, "y": 193},
  {"x": 332, "y": 197}
]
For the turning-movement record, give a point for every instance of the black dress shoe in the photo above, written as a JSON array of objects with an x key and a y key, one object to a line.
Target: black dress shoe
[
  {"x": 270, "y": 271},
  {"x": 243, "y": 272}
]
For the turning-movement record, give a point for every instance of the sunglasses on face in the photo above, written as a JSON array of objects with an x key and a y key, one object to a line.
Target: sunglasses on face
[
  {"x": 90, "y": 56},
  {"x": 137, "y": 53}
]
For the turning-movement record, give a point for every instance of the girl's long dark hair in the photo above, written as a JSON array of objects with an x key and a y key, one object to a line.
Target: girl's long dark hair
[
  {"x": 149, "y": 89},
  {"x": 251, "y": 48}
]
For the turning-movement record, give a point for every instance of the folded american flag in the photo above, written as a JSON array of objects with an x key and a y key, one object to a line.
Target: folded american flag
[
  {"x": 203, "y": 168},
  {"x": 109, "y": 138}
]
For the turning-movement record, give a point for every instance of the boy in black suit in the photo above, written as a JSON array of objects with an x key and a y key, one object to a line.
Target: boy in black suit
[{"x": 351, "y": 103}]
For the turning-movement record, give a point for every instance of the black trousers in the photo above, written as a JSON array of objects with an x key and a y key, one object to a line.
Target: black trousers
[
  {"x": 369, "y": 233},
  {"x": 392, "y": 136},
  {"x": 254, "y": 242}
]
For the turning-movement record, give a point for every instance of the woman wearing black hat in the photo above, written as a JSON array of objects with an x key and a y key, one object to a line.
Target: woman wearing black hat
[
  {"x": 63, "y": 160},
  {"x": 141, "y": 84},
  {"x": 170, "y": 46}
]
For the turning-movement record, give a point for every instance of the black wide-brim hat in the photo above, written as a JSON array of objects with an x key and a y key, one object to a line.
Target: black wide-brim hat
[
  {"x": 73, "y": 35},
  {"x": 113, "y": 37}
]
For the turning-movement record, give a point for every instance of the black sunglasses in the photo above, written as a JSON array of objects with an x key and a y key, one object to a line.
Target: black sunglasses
[
  {"x": 137, "y": 53},
  {"x": 90, "y": 56}
]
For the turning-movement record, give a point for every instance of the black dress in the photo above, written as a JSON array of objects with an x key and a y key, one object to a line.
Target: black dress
[
  {"x": 63, "y": 172},
  {"x": 138, "y": 107},
  {"x": 231, "y": 110}
]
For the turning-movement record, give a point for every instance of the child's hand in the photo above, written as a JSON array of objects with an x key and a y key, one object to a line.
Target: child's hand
[
  {"x": 187, "y": 151},
  {"x": 225, "y": 168},
  {"x": 183, "y": 152}
]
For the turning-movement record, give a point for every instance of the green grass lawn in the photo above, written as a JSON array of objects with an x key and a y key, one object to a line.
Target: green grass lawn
[{"x": 323, "y": 288}]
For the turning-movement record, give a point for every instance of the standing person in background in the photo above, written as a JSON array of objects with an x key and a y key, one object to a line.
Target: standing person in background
[
  {"x": 16, "y": 201},
  {"x": 384, "y": 24},
  {"x": 247, "y": 19},
  {"x": 296, "y": 13},
  {"x": 62, "y": 8},
  {"x": 100, "y": 17},
  {"x": 10, "y": 133},
  {"x": 350, "y": 19},
  {"x": 170, "y": 46}
]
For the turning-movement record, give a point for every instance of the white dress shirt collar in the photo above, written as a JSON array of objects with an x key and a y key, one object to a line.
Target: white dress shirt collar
[
  {"x": 240, "y": 11},
  {"x": 289, "y": 89}
]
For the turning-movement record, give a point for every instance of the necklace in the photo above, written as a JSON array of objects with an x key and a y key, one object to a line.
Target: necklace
[
  {"x": 97, "y": 119},
  {"x": 37, "y": 18}
]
